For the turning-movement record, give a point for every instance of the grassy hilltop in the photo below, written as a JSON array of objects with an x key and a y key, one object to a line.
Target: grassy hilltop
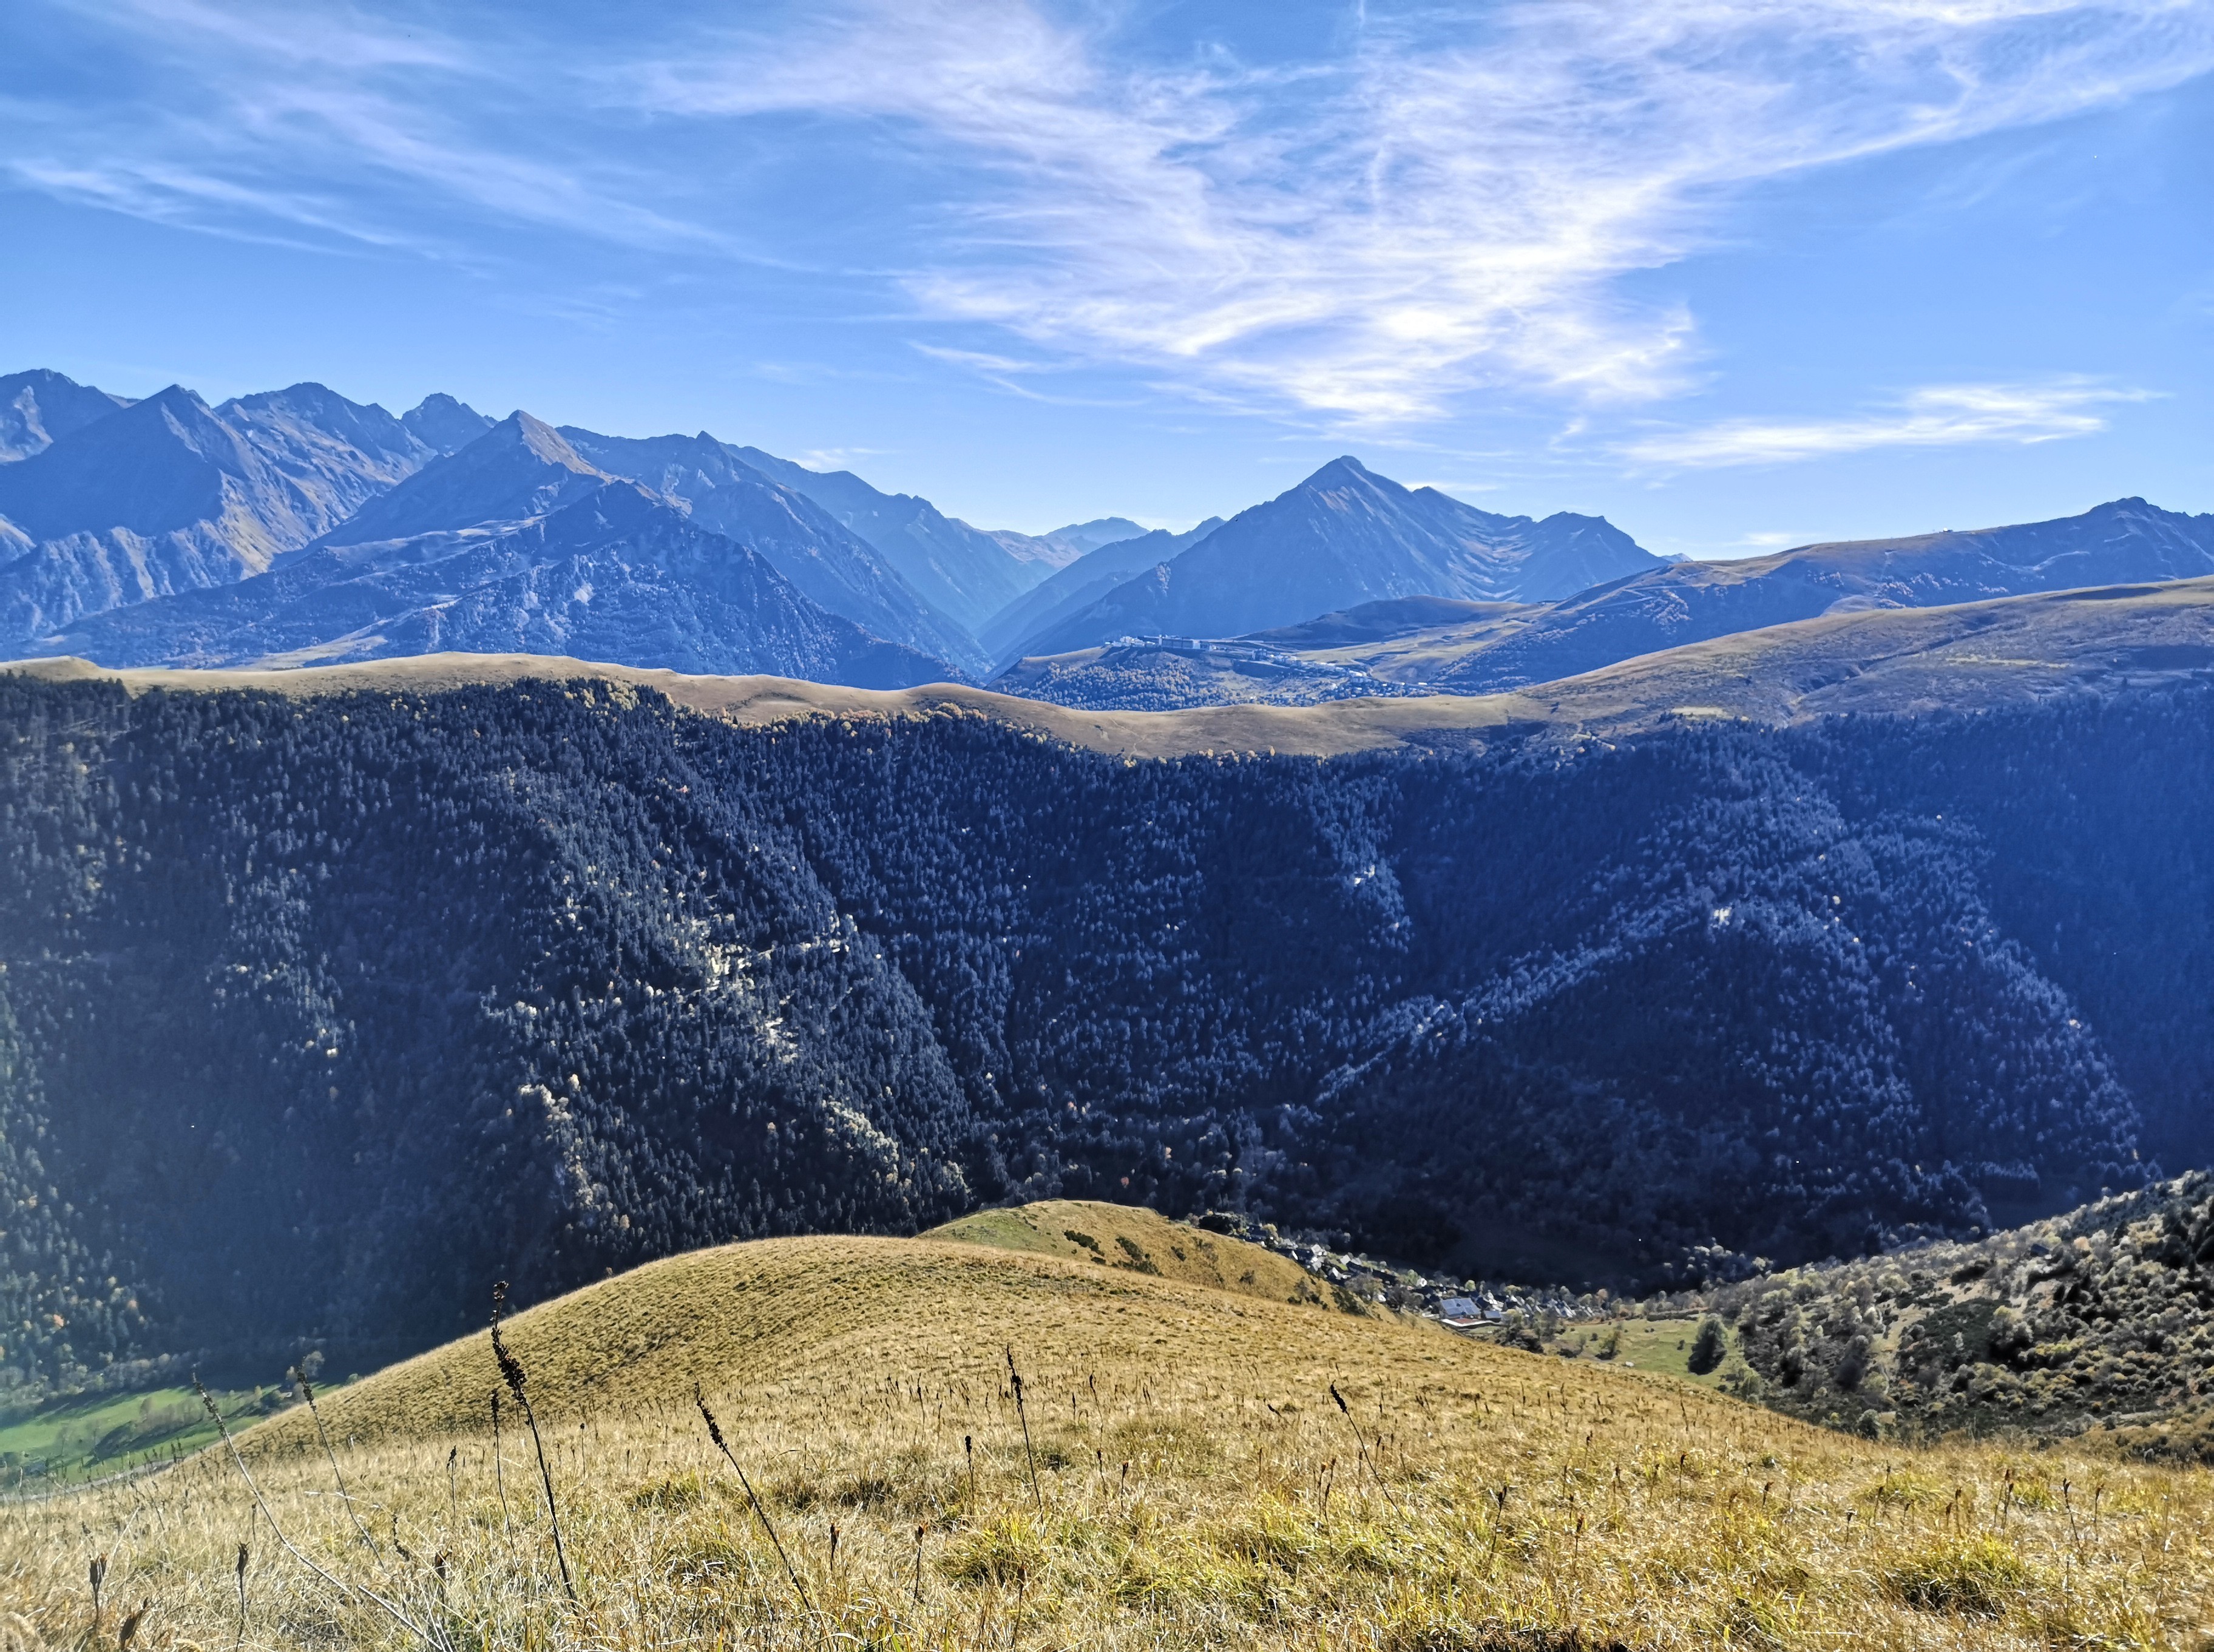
[
  {"x": 1177, "y": 1474},
  {"x": 1142, "y": 1241}
]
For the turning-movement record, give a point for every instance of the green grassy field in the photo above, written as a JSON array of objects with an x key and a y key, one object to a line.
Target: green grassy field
[
  {"x": 83, "y": 1435},
  {"x": 1663, "y": 1346}
]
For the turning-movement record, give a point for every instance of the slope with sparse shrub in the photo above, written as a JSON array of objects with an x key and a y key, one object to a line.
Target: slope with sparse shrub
[{"x": 2096, "y": 1319}]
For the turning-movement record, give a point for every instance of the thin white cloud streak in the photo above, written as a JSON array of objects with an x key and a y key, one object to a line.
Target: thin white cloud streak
[
  {"x": 1450, "y": 205},
  {"x": 1446, "y": 204},
  {"x": 1945, "y": 415},
  {"x": 320, "y": 118}
]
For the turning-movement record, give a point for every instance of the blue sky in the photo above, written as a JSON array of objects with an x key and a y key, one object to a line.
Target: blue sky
[{"x": 1736, "y": 273}]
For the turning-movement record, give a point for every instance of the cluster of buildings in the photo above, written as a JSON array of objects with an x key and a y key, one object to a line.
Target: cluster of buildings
[{"x": 1459, "y": 1305}]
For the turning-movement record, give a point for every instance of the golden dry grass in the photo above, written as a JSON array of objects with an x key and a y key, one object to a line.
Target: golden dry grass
[
  {"x": 1195, "y": 1486},
  {"x": 1138, "y": 1240}
]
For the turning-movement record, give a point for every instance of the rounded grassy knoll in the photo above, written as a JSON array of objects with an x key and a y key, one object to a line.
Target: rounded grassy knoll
[
  {"x": 1139, "y": 1240},
  {"x": 1177, "y": 1471}
]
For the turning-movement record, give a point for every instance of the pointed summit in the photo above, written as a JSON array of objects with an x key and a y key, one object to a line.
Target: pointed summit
[
  {"x": 1344, "y": 536},
  {"x": 1345, "y": 468},
  {"x": 38, "y": 408},
  {"x": 443, "y": 425},
  {"x": 157, "y": 465},
  {"x": 520, "y": 468},
  {"x": 540, "y": 438}
]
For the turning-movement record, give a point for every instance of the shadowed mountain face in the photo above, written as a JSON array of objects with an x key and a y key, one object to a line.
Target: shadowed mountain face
[
  {"x": 336, "y": 454},
  {"x": 964, "y": 572},
  {"x": 1344, "y": 536},
  {"x": 1054, "y": 601},
  {"x": 2124, "y": 542},
  {"x": 155, "y": 497},
  {"x": 838, "y": 569},
  {"x": 173, "y": 498},
  {"x": 618, "y": 574},
  {"x": 443, "y": 425},
  {"x": 38, "y": 408}
]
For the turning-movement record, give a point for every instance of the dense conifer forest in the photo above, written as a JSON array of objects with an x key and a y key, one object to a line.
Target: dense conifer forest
[{"x": 319, "y": 1013}]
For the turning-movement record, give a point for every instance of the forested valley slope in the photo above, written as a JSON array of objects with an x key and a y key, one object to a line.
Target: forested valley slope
[{"x": 329, "y": 1001}]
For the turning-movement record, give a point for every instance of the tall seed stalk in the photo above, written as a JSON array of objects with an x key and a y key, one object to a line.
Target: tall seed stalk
[
  {"x": 499, "y": 1471},
  {"x": 1015, "y": 1377},
  {"x": 307, "y": 1392},
  {"x": 1362, "y": 1446},
  {"x": 715, "y": 1434},
  {"x": 511, "y": 1372},
  {"x": 427, "y": 1635}
]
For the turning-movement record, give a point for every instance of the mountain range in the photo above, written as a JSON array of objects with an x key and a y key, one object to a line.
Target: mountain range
[
  {"x": 611, "y": 572},
  {"x": 298, "y": 525},
  {"x": 2126, "y": 541},
  {"x": 168, "y": 494},
  {"x": 1438, "y": 645},
  {"x": 108, "y": 506}
]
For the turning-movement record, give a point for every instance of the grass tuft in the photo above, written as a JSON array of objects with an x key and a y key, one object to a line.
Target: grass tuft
[{"x": 1978, "y": 1577}]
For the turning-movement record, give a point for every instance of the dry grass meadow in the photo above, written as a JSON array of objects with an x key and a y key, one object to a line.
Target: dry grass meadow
[{"x": 1187, "y": 1480}]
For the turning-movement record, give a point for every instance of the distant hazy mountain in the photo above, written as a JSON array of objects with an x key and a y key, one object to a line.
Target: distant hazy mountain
[
  {"x": 443, "y": 425},
  {"x": 963, "y": 572},
  {"x": 1082, "y": 583},
  {"x": 38, "y": 408},
  {"x": 2127, "y": 542},
  {"x": 617, "y": 574},
  {"x": 1082, "y": 538},
  {"x": 840, "y": 568},
  {"x": 159, "y": 497},
  {"x": 1347, "y": 535},
  {"x": 336, "y": 454}
]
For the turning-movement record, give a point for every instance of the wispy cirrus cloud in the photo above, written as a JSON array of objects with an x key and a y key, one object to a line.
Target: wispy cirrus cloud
[
  {"x": 387, "y": 131},
  {"x": 1447, "y": 203},
  {"x": 1441, "y": 200},
  {"x": 1941, "y": 415}
]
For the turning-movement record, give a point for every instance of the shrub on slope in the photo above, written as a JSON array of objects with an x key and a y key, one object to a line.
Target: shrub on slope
[{"x": 2097, "y": 1317}]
